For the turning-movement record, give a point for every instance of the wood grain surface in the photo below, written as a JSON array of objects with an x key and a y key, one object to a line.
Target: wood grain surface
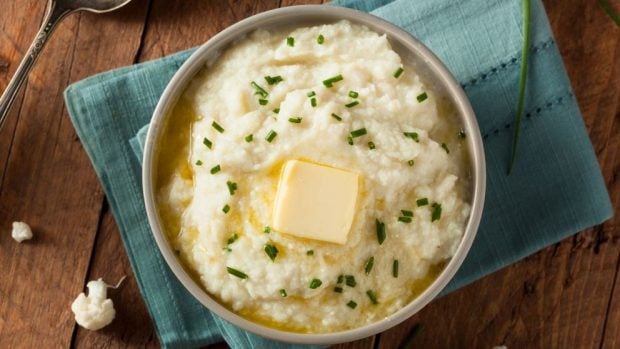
[{"x": 565, "y": 296}]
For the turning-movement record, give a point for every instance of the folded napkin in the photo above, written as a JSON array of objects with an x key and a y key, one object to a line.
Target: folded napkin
[{"x": 555, "y": 190}]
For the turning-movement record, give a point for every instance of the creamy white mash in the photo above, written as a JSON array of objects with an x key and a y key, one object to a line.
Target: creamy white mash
[{"x": 308, "y": 94}]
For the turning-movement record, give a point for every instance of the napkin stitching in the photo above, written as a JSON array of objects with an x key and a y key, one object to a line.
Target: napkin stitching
[
  {"x": 550, "y": 104},
  {"x": 484, "y": 76}
]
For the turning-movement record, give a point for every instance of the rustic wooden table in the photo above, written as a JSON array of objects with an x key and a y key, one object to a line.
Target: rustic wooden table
[{"x": 566, "y": 296}]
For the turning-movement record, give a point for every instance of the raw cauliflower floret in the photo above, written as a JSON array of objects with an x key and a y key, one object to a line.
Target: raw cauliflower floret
[
  {"x": 21, "y": 231},
  {"x": 94, "y": 311}
]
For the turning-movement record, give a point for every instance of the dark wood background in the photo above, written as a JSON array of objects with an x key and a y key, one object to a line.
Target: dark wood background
[{"x": 566, "y": 296}]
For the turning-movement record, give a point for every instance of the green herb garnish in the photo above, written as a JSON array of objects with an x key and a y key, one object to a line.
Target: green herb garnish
[
  {"x": 237, "y": 273},
  {"x": 199, "y": 163},
  {"x": 380, "y": 231},
  {"x": 358, "y": 133},
  {"x": 249, "y": 138},
  {"x": 338, "y": 289},
  {"x": 407, "y": 213},
  {"x": 311, "y": 94},
  {"x": 405, "y": 219},
  {"x": 271, "y": 251},
  {"x": 271, "y": 136},
  {"x": 350, "y": 140},
  {"x": 422, "y": 202},
  {"x": 315, "y": 283},
  {"x": 525, "y": 53},
  {"x": 310, "y": 253},
  {"x": 352, "y": 104},
  {"x": 217, "y": 126},
  {"x": 259, "y": 90},
  {"x": 352, "y": 304},
  {"x": 232, "y": 187},
  {"x": 215, "y": 169},
  {"x": 369, "y": 265},
  {"x": 273, "y": 80},
  {"x": 320, "y": 39},
  {"x": 230, "y": 241},
  {"x": 412, "y": 135},
  {"x": 411, "y": 162},
  {"x": 267, "y": 229},
  {"x": 226, "y": 208},
  {"x": 207, "y": 143},
  {"x": 276, "y": 110},
  {"x": 398, "y": 72},
  {"x": 313, "y": 102},
  {"x": 371, "y": 145},
  {"x": 422, "y": 97},
  {"x": 294, "y": 120},
  {"x": 263, "y": 101},
  {"x": 371, "y": 295},
  {"x": 290, "y": 41},
  {"x": 353, "y": 94},
  {"x": 395, "y": 268},
  {"x": 436, "y": 212},
  {"x": 350, "y": 280},
  {"x": 340, "y": 279},
  {"x": 330, "y": 82},
  {"x": 282, "y": 292},
  {"x": 336, "y": 116},
  {"x": 445, "y": 147}
]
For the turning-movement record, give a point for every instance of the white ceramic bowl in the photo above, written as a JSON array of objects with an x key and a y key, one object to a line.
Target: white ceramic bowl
[{"x": 427, "y": 65}]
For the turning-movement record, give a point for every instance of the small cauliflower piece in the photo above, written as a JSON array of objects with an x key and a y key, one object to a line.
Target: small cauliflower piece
[
  {"x": 21, "y": 231},
  {"x": 94, "y": 311}
]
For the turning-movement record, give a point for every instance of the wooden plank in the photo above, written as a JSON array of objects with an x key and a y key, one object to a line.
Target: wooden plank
[{"x": 50, "y": 184}]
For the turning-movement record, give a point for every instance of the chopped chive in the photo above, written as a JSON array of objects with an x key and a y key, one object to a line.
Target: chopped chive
[
  {"x": 249, "y": 138},
  {"x": 276, "y": 110},
  {"x": 350, "y": 140},
  {"x": 207, "y": 143},
  {"x": 371, "y": 145},
  {"x": 353, "y": 94},
  {"x": 336, "y": 116},
  {"x": 271, "y": 251},
  {"x": 215, "y": 169},
  {"x": 330, "y": 82},
  {"x": 320, "y": 39},
  {"x": 380, "y": 231},
  {"x": 462, "y": 134},
  {"x": 271, "y": 135},
  {"x": 262, "y": 101},
  {"x": 310, "y": 253},
  {"x": 350, "y": 280},
  {"x": 412, "y": 135},
  {"x": 237, "y": 273},
  {"x": 340, "y": 279},
  {"x": 290, "y": 41},
  {"x": 259, "y": 90},
  {"x": 358, "y": 133},
  {"x": 371, "y": 295},
  {"x": 338, "y": 289},
  {"x": 422, "y": 202},
  {"x": 217, "y": 126},
  {"x": 407, "y": 213},
  {"x": 369, "y": 265},
  {"x": 352, "y": 104},
  {"x": 232, "y": 187},
  {"x": 436, "y": 212},
  {"x": 311, "y": 94},
  {"x": 313, "y": 102},
  {"x": 282, "y": 292},
  {"x": 226, "y": 208},
  {"x": 267, "y": 229},
  {"x": 411, "y": 162},
  {"x": 422, "y": 97},
  {"x": 199, "y": 163},
  {"x": 445, "y": 147},
  {"x": 315, "y": 283},
  {"x": 273, "y": 80},
  {"x": 232, "y": 239},
  {"x": 405, "y": 219},
  {"x": 352, "y": 304},
  {"x": 295, "y": 120},
  {"x": 395, "y": 268},
  {"x": 398, "y": 72}
]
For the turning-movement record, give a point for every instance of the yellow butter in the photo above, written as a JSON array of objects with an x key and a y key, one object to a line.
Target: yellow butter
[{"x": 315, "y": 201}]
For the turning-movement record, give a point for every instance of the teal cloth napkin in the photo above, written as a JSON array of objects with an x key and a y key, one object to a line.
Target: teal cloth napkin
[{"x": 555, "y": 190}]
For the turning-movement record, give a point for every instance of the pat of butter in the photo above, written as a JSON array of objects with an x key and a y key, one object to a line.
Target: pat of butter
[{"x": 315, "y": 201}]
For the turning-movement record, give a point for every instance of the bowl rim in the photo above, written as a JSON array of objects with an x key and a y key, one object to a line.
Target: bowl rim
[{"x": 210, "y": 49}]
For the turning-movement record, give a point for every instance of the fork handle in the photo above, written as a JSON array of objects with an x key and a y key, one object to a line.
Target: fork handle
[{"x": 53, "y": 16}]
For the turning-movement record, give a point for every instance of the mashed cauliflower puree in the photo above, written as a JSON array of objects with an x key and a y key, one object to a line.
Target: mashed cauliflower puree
[{"x": 335, "y": 95}]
